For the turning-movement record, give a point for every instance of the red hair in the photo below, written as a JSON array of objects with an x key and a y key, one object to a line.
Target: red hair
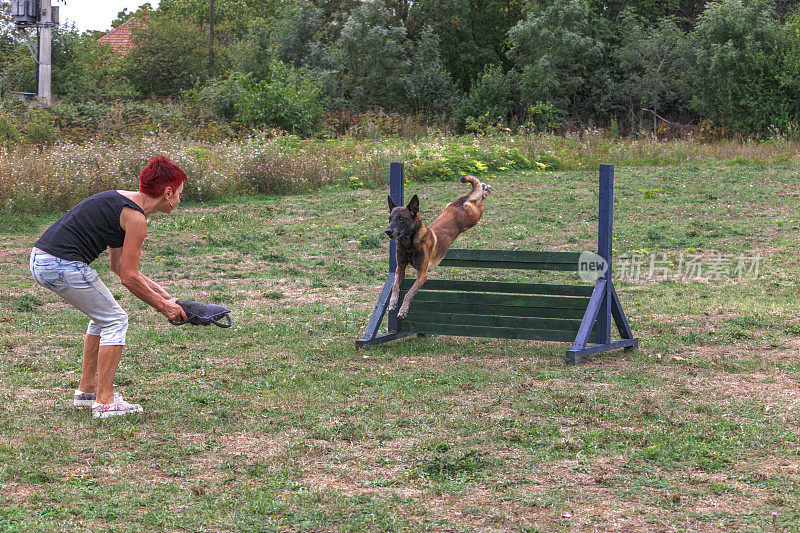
[{"x": 159, "y": 174}]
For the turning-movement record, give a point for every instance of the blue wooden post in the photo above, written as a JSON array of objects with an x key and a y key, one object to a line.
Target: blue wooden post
[
  {"x": 604, "y": 305},
  {"x": 604, "y": 246},
  {"x": 371, "y": 336},
  {"x": 396, "y": 180}
]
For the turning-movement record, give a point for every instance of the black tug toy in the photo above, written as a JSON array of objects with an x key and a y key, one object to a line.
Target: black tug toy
[{"x": 201, "y": 314}]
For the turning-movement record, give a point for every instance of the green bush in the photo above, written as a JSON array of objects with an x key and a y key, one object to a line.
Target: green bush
[
  {"x": 487, "y": 104},
  {"x": 289, "y": 99},
  {"x": 458, "y": 159},
  {"x": 742, "y": 79},
  {"x": 552, "y": 162},
  {"x": 18, "y": 71},
  {"x": 169, "y": 55},
  {"x": 543, "y": 116},
  {"x": 86, "y": 117},
  {"x": 169, "y": 117},
  {"x": 81, "y": 122},
  {"x": 8, "y": 130},
  {"x": 41, "y": 127},
  {"x": 221, "y": 96}
]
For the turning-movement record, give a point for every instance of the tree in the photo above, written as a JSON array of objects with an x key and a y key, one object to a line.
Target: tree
[
  {"x": 472, "y": 33},
  {"x": 651, "y": 66},
  {"x": 684, "y": 13},
  {"x": 740, "y": 62},
  {"x": 168, "y": 55},
  {"x": 784, "y": 9},
  {"x": 558, "y": 51},
  {"x": 295, "y": 29},
  {"x": 431, "y": 89},
  {"x": 371, "y": 60},
  {"x": 18, "y": 71},
  {"x": 793, "y": 35},
  {"x": 8, "y": 41},
  {"x": 73, "y": 75},
  {"x": 236, "y": 14},
  {"x": 17, "y": 66},
  {"x": 488, "y": 103},
  {"x": 142, "y": 13},
  {"x": 335, "y": 13},
  {"x": 253, "y": 54}
]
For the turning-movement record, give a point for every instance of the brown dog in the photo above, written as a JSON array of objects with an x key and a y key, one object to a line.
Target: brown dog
[{"x": 423, "y": 247}]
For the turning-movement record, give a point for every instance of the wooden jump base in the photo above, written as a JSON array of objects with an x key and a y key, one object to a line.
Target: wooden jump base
[{"x": 580, "y": 314}]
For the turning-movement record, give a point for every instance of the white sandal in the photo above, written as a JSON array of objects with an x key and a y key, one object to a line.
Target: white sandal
[{"x": 118, "y": 408}]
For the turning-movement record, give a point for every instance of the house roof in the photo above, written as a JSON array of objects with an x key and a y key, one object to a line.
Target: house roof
[{"x": 120, "y": 38}]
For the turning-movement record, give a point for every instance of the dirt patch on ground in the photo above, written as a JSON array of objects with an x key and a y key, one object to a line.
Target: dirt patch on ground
[
  {"x": 771, "y": 387},
  {"x": 43, "y": 397},
  {"x": 384, "y": 477},
  {"x": 770, "y": 466},
  {"x": 297, "y": 293},
  {"x": 245, "y": 295},
  {"x": 245, "y": 448},
  {"x": 11, "y": 249},
  {"x": 21, "y": 493},
  {"x": 253, "y": 447}
]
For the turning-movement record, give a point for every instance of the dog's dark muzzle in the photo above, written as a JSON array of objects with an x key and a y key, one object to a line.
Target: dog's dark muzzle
[{"x": 202, "y": 314}]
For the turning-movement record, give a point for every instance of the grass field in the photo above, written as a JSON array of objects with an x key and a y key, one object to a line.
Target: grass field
[{"x": 279, "y": 424}]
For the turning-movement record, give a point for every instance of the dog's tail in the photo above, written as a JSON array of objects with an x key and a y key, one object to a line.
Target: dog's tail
[{"x": 477, "y": 190}]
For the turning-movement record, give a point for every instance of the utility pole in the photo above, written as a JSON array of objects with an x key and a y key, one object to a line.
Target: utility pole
[
  {"x": 211, "y": 40},
  {"x": 45, "y": 44},
  {"x": 39, "y": 14}
]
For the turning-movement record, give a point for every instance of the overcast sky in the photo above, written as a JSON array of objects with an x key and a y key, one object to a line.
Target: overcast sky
[{"x": 95, "y": 14}]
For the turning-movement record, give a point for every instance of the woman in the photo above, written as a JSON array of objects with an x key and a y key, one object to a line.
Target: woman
[{"x": 60, "y": 262}]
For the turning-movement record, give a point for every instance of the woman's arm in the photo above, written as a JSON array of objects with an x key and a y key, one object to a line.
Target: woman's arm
[
  {"x": 125, "y": 262},
  {"x": 156, "y": 287},
  {"x": 116, "y": 256}
]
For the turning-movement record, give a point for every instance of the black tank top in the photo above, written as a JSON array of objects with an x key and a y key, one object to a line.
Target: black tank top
[{"x": 88, "y": 228}]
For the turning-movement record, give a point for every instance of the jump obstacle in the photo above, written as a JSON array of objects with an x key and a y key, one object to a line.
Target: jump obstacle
[{"x": 500, "y": 310}]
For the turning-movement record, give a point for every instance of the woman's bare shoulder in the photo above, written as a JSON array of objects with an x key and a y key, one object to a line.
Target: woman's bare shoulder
[{"x": 130, "y": 195}]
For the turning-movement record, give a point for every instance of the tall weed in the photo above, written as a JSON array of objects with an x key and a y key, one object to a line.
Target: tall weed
[{"x": 37, "y": 179}]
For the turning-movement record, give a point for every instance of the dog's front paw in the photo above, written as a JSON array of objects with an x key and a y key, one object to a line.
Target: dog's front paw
[
  {"x": 486, "y": 189},
  {"x": 394, "y": 298},
  {"x": 402, "y": 313}
]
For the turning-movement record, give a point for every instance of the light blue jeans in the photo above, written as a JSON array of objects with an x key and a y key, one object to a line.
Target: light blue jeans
[{"x": 78, "y": 283}]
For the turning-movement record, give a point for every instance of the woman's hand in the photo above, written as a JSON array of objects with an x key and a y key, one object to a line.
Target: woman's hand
[{"x": 173, "y": 311}]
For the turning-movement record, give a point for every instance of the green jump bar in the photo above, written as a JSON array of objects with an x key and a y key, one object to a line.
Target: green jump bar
[
  {"x": 574, "y": 313},
  {"x": 500, "y": 287},
  {"x": 476, "y": 299},
  {"x": 485, "y": 331},
  {"x": 512, "y": 259}
]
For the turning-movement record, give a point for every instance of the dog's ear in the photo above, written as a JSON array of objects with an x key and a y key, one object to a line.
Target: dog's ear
[
  {"x": 392, "y": 205},
  {"x": 413, "y": 205}
]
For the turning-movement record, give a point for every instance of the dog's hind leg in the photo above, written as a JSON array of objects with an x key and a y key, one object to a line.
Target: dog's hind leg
[
  {"x": 486, "y": 190},
  {"x": 479, "y": 190}
]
